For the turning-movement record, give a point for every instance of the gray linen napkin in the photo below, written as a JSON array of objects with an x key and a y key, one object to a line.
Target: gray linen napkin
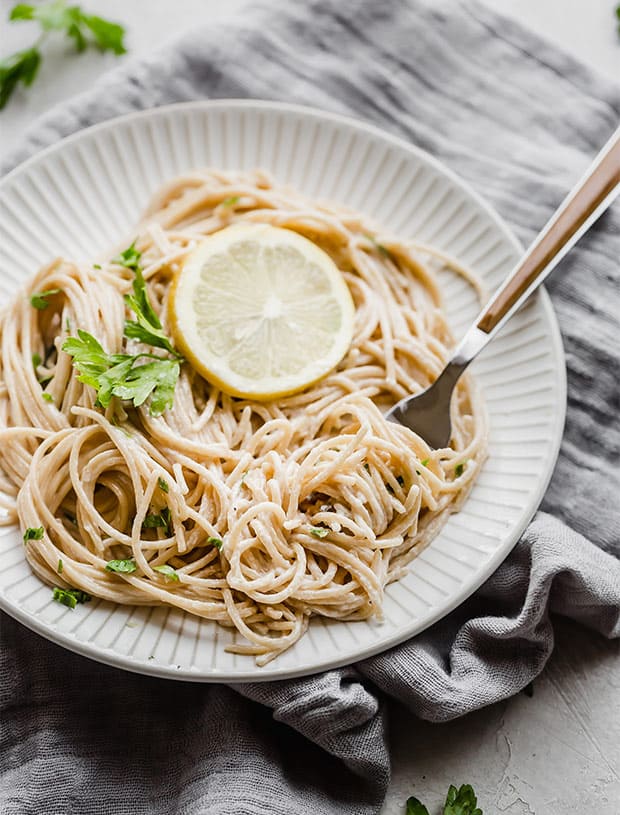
[{"x": 520, "y": 121}]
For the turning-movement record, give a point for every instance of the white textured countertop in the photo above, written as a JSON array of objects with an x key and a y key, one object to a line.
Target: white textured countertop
[{"x": 557, "y": 752}]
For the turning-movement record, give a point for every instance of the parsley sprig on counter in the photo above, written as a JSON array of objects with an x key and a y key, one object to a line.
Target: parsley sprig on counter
[
  {"x": 84, "y": 29},
  {"x": 461, "y": 801},
  {"x": 131, "y": 377}
]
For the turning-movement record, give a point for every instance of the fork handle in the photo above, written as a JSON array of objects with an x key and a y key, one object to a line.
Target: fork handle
[{"x": 575, "y": 215}]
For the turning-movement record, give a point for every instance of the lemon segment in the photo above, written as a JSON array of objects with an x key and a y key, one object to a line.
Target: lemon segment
[{"x": 261, "y": 311}]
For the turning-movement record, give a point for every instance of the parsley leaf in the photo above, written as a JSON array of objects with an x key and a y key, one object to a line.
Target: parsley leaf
[
  {"x": 53, "y": 16},
  {"x": 230, "y": 201},
  {"x": 88, "y": 357},
  {"x": 458, "y": 802},
  {"x": 34, "y": 533},
  {"x": 39, "y": 299},
  {"x": 108, "y": 36},
  {"x": 120, "y": 375},
  {"x": 47, "y": 396},
  {"x": 415, "y": 807},
  {"x": 124, "y": 566},
  {"x": 462, "y": 801},
  {"x": 458, "y": 470},
  {"x": 156, "y": 379},
  {"x": 168, "y": 572},
  {"x": 22, "y": 66},
  {"x": 147, "y": 328},
  {"x": 319, "y": 531},
  {"x": 130, "y": 258},
  {"x": 215, "y": 542},
  {"x": 425, "y": 462},
  {"x": 158, "y": 520},
  {"x": 70, "y": 597},
  {"x": 60, "y": 566}
]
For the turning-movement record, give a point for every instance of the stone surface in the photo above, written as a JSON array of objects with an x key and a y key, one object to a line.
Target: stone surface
[{"x": 558, "y": 752}]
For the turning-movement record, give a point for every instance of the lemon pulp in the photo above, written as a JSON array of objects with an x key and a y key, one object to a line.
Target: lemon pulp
[{"x": 261, "y": 311}]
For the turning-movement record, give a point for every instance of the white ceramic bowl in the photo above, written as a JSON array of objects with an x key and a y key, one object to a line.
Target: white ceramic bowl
[{"x": 85, "y": 193}]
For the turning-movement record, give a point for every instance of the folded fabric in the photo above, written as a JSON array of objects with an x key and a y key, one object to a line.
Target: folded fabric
[{"x": 517, "y": 119}]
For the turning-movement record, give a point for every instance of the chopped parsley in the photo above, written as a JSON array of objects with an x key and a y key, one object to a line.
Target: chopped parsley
[
  {"x": 97, "y": 266},
  {"x": 70, "y": 597},
  {"x": 319, "y": 531},
  {"x": 47, "y": 396},
  {"x": 163, "y": 485},
  {"x": 157, "y": 520},
  {"x": 38, "y": 300},
  {"x": 36, "y": 360},
  {"x": 168, "y": 572},
  {"x": 123, "y": 566},
  {"x": 34, "y": 533},
  {"x": 129, "y": 258},
  {"x": 60, "y": 567},
  {"x": 425, "y": 462},
  {"x": 379, "y": 246},
  {"x": 458, "y": 470},
  {"x": 230, "y": 201},
  {"x": 217, "y": 542}
]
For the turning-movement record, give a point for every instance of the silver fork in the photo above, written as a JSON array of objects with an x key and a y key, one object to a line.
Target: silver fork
[{"x": 428, "y": 413}]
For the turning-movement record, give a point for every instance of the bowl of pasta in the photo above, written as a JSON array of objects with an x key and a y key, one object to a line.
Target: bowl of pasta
[{"x": 207, "y": 310}]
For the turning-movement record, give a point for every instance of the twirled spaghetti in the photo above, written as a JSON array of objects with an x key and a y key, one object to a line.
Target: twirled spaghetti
[{"x": 318, "y": 501}]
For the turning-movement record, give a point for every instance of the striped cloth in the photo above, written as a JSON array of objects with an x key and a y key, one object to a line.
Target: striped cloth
[{"x": 519, "y": 121}]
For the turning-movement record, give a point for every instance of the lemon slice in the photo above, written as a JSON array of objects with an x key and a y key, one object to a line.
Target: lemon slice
[{"x": 260, "y": 311}]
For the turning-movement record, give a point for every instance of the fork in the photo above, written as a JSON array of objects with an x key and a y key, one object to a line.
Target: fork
[{"x": 428, "y": 413}]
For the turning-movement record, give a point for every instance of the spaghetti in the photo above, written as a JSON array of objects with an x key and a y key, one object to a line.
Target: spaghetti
[{"x": 266, "y": 513}]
